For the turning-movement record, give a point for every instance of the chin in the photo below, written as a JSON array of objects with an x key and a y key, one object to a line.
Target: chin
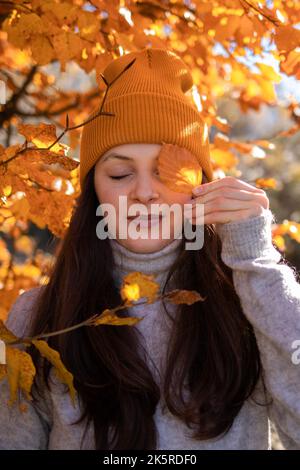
[{"x": 144, "y": 245}]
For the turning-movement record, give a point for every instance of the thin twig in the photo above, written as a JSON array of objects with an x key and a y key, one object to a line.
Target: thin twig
[
  {"x": 273, "y": 20},
  {"x": 89, "y": 322},
  {"x": 67, "y": 128}
]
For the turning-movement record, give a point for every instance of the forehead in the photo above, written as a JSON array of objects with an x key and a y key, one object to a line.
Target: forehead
[{"x": 134, "y": 151}]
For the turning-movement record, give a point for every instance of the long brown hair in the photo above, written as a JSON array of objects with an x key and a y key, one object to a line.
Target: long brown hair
[{"x": 212, "y": 347}]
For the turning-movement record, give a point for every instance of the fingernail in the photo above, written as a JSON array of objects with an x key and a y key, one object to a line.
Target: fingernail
[{"x": 198, "y": 190}]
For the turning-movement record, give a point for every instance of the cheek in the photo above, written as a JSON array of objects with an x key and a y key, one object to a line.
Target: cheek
[
  {"x": 108, "y": 192},
  {"x": 178, "y": 198}
]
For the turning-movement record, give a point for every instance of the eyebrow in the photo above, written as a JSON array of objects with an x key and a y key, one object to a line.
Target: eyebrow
[{"x": 120, "y": 157}]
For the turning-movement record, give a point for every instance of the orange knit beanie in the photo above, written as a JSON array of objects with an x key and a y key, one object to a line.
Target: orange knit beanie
[{"x": 147, "y": 104}]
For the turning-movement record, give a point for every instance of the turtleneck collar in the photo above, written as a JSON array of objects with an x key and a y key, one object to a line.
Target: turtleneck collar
[{"x": 157, "y": 263}]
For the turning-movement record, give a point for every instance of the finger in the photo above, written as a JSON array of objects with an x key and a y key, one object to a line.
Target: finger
[
  {"x": 226, "y": 216},
  {"x": 233, "y": 216},
  {"x": 226, "y": 182},
  {"x": 229, "y": 193},
  {"x": 224, "y": 204}
]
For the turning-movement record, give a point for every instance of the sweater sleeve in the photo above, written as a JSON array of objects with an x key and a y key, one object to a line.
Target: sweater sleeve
[
  {"x": 270, "y": 298},
  {"x": 28, "y": 430}
]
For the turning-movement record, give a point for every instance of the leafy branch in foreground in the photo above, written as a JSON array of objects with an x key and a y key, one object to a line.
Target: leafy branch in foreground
[
  {"x": 19, "y": 368},
  {"x": 29, "y": 131}
]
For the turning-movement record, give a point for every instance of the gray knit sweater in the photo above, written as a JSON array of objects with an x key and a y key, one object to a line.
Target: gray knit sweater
[{"x": 270, "y": 298}]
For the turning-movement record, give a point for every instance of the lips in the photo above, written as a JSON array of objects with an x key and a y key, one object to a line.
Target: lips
[
  {"x": 148, "y": 217},
  {"x": 146, "y": 221}
]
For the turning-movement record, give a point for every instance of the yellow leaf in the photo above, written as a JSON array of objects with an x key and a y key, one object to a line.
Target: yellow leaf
[
  {"x": 265, "y": 144},
  {"x": 25, "y": 244},
  {"x": 27, "y": 269},
  {"x": 42, "y": 135},
  {"x": 23, "y": 27},
  {"x": 180, "y": 296},
  {"x": 63, "y": 12},
  {"x": 131, "y": 292},
  {"x": 38, "y": 220},
  {"x": 252, "y": 88},
  {"x": 20, "y": 373},
  {"x": 20, "y": 208},
  {"x": 291, "y": 65},
  {"x": 10, "y": 152},
  {"x": 148, "y": 287},
  {"x": 279, "y": 242},
  {"x": 67, "y": 45},
  {"x": 178, "y": 168},
  {"x": 238, "y": 77},
  {"x": 223, "y": 158},
  {"x": 6, "y": 335},
  {"x": 266, "y": 183},
  {"x": 88, "y": 25},
  {"x": 108, "y": 317},
  {"x": 42, "y": 50},
  {"x": 222, "y": 141},
  {"x": 268, "y": 72},
  {"x": 287, "y": 227},
  {"x": 54, "y": 358},
  {"x": 267, "y": 89},
  {"x": 287, "y": 37},
  {"x": 7, "y": 191}
]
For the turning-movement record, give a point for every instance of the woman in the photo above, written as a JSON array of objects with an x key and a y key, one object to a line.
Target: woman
[{"x": 204, "y": 376}]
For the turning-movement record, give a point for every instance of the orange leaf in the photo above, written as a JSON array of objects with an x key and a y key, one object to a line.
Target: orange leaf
[
  {"x": 147, "y": 286},
  {"x": 20, "y": 373},
  {"x": 179, "y": 296},
  {"x": 6, "y": 335},
  {"x": 223, "y": 158},
  {"x": 108, "y": 317},
  {"x": 42, "y": 135},
  {"x": 279, "y": 242},
  {"x": 266, "y": 183},
  {"x": 178, "y": 168},
  {"x": 54, "y": 358},
  {"x": 131, "y": 292}
]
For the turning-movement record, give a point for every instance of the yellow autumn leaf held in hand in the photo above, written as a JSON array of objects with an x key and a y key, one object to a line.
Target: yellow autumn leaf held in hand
[{"x": 178, "y": 168}]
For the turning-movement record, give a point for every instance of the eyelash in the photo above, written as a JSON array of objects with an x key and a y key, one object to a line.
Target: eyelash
[
  {"x": 118, "y": 177},
  {"x": 123, "y": 176}
]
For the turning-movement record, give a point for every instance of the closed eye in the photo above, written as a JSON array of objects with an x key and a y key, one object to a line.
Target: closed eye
[
  {"x": 118, "y": 177},
  {"x": 124, "y": 176}
]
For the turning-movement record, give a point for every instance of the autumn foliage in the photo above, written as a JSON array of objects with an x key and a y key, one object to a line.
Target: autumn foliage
[
  {"x": 19, "y": 368},
  {"x": 43, "y": 40}
]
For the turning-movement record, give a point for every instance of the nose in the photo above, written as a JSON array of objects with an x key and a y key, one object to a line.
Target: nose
[{"x": 145, "y": 189}]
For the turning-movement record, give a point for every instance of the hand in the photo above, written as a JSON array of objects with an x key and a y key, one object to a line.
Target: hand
[{"x": 228, "y": 199}]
